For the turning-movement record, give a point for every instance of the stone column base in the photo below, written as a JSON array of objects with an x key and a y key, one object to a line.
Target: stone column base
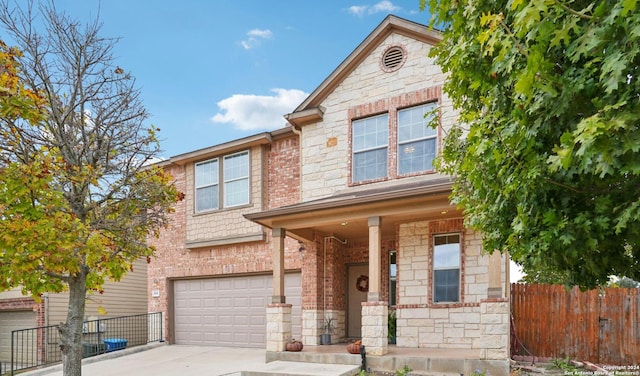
[
  {"x": 278, "y": 326},
  {"x": 494, "y": 329},
  {"x": 374, "y": 327}
]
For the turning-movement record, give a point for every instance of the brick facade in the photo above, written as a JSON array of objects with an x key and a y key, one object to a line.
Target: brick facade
[{"x": 173, "y": 260}]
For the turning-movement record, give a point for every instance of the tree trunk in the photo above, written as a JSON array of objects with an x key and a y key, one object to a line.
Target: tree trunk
[{"x": 71, "y": 331}]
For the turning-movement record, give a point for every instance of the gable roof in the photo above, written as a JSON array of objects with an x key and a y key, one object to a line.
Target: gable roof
[{"x": 310, "y": 110}]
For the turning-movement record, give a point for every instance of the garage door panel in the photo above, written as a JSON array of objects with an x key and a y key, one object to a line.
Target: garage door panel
[
  {"x": 230, "y": 311},
  {"x": 10, "y": 321}
]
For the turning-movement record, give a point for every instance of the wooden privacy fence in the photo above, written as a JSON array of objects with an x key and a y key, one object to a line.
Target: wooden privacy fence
[{"x": 599, "y": 326}]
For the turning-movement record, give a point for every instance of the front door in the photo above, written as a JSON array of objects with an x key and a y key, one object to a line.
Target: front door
[{"x": 357, "y": 279}]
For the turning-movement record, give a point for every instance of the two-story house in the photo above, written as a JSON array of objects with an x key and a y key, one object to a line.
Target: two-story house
[{"x": 340, "y": 216}]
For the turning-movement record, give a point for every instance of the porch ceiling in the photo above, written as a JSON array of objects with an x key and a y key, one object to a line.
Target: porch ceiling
[{"x": 346, "y": 215}]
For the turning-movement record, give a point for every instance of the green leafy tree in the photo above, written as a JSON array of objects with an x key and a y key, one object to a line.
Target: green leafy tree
[
  {"x": 78, "y": 196},
  {"x": 546, "y": 154}
]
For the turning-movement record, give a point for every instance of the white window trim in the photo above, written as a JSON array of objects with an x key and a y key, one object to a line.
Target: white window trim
[
  {"x": 196, "y": 186},
  {"x": 221, "y": 183},
  {"x": 401, "y": 143},
  {"x": 247, "y": 177},
  {"x": 364, "y": 150}
]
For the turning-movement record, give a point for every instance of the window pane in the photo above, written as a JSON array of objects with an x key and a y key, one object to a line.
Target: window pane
[
  {"x": 236, "y": 166},
  {"x": 413, "y": 125},
  {"x": 393, "y": 272},
  {"x": 236, "y": 179},
  {"x": 446, "y": 239},
  {"x": 207, "y": 173},
  {"x": 370, "y": 133},
  {"x": 236, "y": 192},
  {"x": 446, "y": 285},
  {"x": 446, "y": 256},
  {"x": 417, "y": 156},
  {"x": 207, "y": 198},
  {"x": 370, "y": 165},
  {"x": 446, "y": 268}
]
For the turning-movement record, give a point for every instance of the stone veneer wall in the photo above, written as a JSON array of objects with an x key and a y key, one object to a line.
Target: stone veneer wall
[
  {"x": 313, "y": 323},
  {"x": 474, "y": 323},
  {"x": 326, "y": 145}
]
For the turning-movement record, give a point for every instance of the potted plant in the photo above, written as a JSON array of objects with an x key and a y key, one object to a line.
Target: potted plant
[
  {"x": 328, "y": 326},
  {"x": 391, "y": 325}
]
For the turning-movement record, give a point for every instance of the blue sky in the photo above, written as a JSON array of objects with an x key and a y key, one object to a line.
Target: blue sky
[{"x": 211, "y": 71}]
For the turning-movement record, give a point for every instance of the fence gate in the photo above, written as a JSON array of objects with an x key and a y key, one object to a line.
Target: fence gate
[{"x": 600, "y": 326}]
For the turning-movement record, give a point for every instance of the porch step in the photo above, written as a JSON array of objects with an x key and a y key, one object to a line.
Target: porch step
[{"x": 284, "y": 368}]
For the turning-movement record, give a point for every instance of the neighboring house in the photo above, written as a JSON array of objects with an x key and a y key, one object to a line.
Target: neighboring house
[
  {"x": 127, "y": 297},
  {"x": 339, "y": 215}
]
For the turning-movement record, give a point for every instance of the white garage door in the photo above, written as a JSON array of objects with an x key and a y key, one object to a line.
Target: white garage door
[
  {"x": 9, "y": 321},
  {"x": 230, "y": 311}
]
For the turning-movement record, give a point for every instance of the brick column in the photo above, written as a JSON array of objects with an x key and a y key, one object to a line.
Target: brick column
[
  {"x": 374, "y": 327},
  {"x": 278, "y": 326},
  {"x": 494, "y": 329}
]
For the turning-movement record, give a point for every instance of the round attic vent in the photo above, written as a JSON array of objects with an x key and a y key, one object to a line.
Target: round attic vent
[{"x": 393, "y": 58}]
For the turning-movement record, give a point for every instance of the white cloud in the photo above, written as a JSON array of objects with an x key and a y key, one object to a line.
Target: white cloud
[
  {"x": 249, "y": 112},
  {"x": 254, "y": 38},
  {"x": 384, "y": 6},
  {"x": 358, "y": 10}
]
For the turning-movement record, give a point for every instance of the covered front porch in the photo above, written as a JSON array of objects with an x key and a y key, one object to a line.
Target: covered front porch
[{"x": 368, "y": 252}]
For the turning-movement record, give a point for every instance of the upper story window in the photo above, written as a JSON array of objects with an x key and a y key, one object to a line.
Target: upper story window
[
  {"x": 234, "y": 175},
  {"x": 236, "y": 179},
  {"x": 446, "y": 268},
  {"x": 380, "y": 152},
  {"x": 416, "y": 140},
  {"x": 370, "y": 148}
]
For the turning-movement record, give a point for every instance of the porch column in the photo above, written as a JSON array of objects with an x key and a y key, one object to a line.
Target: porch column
[
  {"x": 375, "y": 259},
  {"x": 494, "y": 289},
  {"x": 374, "y": 310},
  {"x": 278, "y": 312},
  {"x": 278, "y": 266}
]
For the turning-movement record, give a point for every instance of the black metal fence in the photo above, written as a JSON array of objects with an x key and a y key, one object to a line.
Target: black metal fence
[{"x": 38, "y": 347}]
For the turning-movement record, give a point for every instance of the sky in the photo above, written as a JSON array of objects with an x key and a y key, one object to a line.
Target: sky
[{"x": 212, "y": 71}]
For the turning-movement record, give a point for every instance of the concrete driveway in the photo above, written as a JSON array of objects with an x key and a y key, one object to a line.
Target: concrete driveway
[{"x": 165, "y": 360}]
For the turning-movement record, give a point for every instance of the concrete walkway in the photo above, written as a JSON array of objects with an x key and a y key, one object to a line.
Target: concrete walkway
[{"x": 181, "y": 360}]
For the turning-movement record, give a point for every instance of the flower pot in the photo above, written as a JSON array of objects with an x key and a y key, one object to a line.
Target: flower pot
[
  {"x": 294, "y": 345},
  {"x": 325, "y": 339}
]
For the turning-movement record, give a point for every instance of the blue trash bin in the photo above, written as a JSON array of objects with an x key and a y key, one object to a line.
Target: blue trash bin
[{"x": 114, "y": 344}]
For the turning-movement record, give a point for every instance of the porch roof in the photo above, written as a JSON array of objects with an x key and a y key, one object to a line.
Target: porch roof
[{"x": 345, "y": 214}]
